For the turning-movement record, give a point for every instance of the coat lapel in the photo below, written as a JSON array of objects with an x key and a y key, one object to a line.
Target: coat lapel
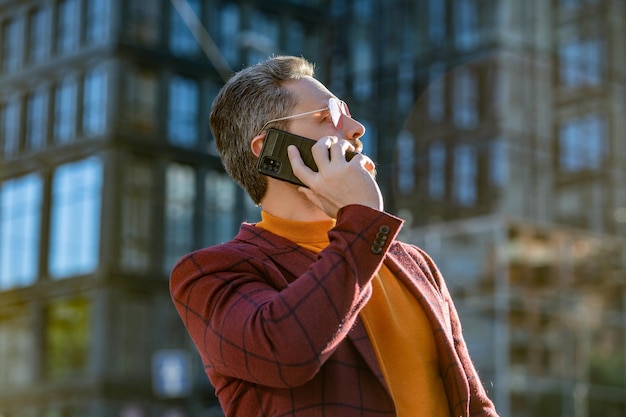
[
  {"x": 294, "y": 261},
  {"x": 423, "y": 287}
]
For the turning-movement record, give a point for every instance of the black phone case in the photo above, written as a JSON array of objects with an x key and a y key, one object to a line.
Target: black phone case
[{"x": 274, "y": 162}]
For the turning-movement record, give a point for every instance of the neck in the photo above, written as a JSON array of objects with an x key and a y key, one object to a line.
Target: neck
[{"x": 285, "y": 201}]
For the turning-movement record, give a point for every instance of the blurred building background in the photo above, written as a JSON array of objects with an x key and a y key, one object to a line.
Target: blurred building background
[{"x": 499, "y": 129}]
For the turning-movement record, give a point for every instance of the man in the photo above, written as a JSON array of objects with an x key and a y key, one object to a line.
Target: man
[{"x": 317, "y": 310}]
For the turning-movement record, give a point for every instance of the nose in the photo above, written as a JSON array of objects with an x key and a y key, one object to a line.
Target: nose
[{"x": 351, "y": 128}]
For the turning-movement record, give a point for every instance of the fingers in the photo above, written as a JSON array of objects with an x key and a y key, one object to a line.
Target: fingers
[
  {"x": 338, "y": 150},
  {"x": 299, "y": 168},
  {"x": 321, "y": 152},
  {"x": 338, "y": 182}
]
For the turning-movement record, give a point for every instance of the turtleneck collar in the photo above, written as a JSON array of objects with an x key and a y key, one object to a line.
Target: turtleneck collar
[{"x": 309, "y": 234}]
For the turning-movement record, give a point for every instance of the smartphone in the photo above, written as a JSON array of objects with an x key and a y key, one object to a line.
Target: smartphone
[{"x": 274, "y": 162}]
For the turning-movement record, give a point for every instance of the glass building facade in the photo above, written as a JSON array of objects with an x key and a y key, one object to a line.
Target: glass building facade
[
  {"x": 108, "y": 175},
  {"x": 497, "y": 127}
]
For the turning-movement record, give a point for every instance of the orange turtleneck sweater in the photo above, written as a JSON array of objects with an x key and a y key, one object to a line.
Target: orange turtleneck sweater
[{"x": 396, "y": 325}]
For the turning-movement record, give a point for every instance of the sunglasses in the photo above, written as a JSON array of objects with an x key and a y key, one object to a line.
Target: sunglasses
[{"x": 336, "y": 108}]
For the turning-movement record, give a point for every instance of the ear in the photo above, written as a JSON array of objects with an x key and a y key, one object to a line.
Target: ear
[{"x": 257, "y": 144}]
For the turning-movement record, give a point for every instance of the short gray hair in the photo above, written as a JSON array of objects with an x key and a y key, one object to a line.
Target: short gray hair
[{"x": 247, "y": 101}]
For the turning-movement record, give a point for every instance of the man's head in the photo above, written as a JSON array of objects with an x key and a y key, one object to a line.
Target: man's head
[{"x": 247, "y": 101}]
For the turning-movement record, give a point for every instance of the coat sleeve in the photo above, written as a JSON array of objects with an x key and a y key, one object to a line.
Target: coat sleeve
[
  {"x": 479, "y": 402},
  {"x": 245, "y": 326}
]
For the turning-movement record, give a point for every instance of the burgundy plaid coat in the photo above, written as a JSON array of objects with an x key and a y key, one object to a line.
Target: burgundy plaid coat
[{"x": 278, "y": 330}]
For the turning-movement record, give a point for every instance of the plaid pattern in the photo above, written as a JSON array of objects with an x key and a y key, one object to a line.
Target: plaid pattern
[{"x": 276, "y": 346}]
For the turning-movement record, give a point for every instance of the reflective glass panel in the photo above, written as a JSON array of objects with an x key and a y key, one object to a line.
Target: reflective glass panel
[
  {"x": 39, "y": 35},
  {"x": 140, "y": 107},
  {"x": 12, "y": 44},
  {"x": 182, "y": 126},
  {"x": 36, "y": 120},
  {"x": 97, "y": 20},
  {"x": 406, "y": 162},
  {"x": 143, "y": 21},
  {"x": 180, "y": 196},
  {"x": 219, "y": 208},
  {"x": 67, "y": 337},
  {"x": 583, "y": 143},
  {"x": 17, "y": 346},
  {"x": 9, "y": 128},
  {"x": 67, "y": 26},
  {"x": 20, "y": 223},
  {"x": 182, "y": 41},
  {"x": 137, "y": 215},
  {"x": 95, "y": 102},
  {"x": 465, "y": 172},
  {"x": 437, "y": 171},
  {"x": 75, "y": 218},
  {"x": 65, "y": 96}
]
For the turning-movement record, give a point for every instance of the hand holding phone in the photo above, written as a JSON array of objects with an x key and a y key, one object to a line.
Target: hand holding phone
[{"x": 274, "y": 161}]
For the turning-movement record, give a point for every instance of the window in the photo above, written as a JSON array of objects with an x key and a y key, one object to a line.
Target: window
[
  {"x": 573, "y": 4},
  {"x": 229, "y": 32},
  {"x": 370, "y": 142},
  {"x": 182, "y": 41},
  {"x": 583, "y": 143},
  {"x": 9, "y": 128},
  {"x": 133, "y": 336},
  {"x": 437, "y": 21},
  {"x": 339, "y": 77},
  {"x": 362, "y": 62},
  {"x": 436, "y": 92},
  {"x": 75, "y": 218},
  {"x": 183, "y": 120},
  {"x": 465, "y": 171},
  {"x": 38, "y": 35},
  {"x": 466, "y": 25},
  {"x": 17, "y": 346},
  {"x": 141, "y": 100},
  {"x": 498, "y": 163},
  {"x": 406, "y": 75},
  {"x": 582, "y": 62},
  {"x": 569, "y": 3},
  {"x": 67, "y": 27},
  {"x": 437, "y": 171},
  {"x": 137, "y": 215},
  {"x": 144, "y": 21},
  {"x": 65, "y": 96},
  {"x": 180, "y": 195},
  {"x": 263, "y": 39},
  {"x": 36, "y": 120},
  {"x": 465, "y": 111},
  {"x": 522, "y": 16},
  {"x": 20, "y": 223},
  {"x": 11, "y": 45},
  {"x": 95, "y": 102},
  {"x": 67, "y": 337},
  {"x": 219, "y": 208},
  {"x": 406, "y": 162},
  {"x": 97, "y": 21},
  {"x": 364, "y": 10}
]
